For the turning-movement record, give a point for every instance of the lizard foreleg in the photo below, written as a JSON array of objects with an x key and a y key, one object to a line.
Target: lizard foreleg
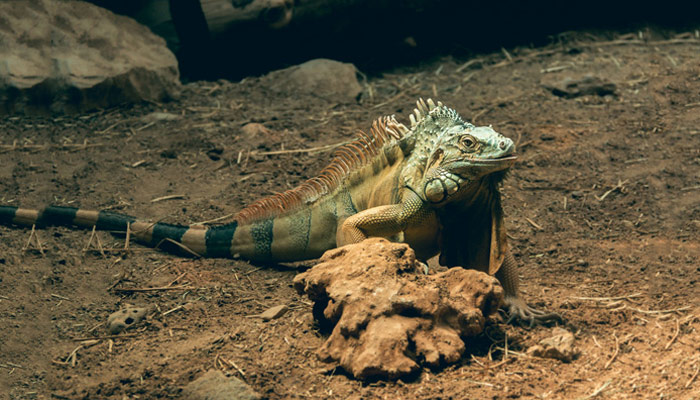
[{"x": 383, "y": 221}]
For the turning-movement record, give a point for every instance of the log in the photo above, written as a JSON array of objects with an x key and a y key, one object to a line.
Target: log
[{"x": 222, "y": 15}]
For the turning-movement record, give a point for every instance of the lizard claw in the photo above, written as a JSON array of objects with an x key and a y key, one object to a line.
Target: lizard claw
[
  {"x": 425, "y": 267},
  {"x": 518, "y": 311}
]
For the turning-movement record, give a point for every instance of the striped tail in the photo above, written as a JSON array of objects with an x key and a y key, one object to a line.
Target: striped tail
[{"x": 179, "y": 239}]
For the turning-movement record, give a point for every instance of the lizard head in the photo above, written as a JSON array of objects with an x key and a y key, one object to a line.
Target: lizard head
[{"x": 460, "y": 156}]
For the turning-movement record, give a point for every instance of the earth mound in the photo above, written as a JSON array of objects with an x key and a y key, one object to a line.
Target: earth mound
[{"x": 388, "y": 318}]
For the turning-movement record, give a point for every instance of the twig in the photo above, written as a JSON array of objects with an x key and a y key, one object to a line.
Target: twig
[
  {"x": 59, "y": 297},
  {"x": 311, "y": 150},
  {"x": 660, "y": 311},
  {"x": 170, "y": 197},
  {"x": 176, "y": 279},
  {"x": 468, "y": 64},
  {"x": 153, "y": 289},
  {"x": 480, "y": 113},
  {"x": 180, "y": 245},
  {"x": 608, "y": 298},
  {"x": 617, "y": 350},
  {"x": 554, "y": 69},
  {"x": 398, "y": 96},
  {"x": 596, "y": 392},
  {"x": 213, "y": 220},
  {"x": 535, "y": 224},
  {"x": 34, "y": 235},
  {"x": 73, "y": 356},
  {"x": 507, "y": 54},
  {"x": 64, "y": 146},
  {"x": 480, "y": 383},
  {"x": 685, "y": 189},
  {"x": 675, "y": 335},
  {"x": 173, "y": 309},
  {"x": 122, "y": 336},
  {"x": 128, "y": 236},
  {"x": 94, "y": 235},
  {"x": 692, "y": 378},
  {"x": 619, "y": 186},
  {"x": 230, "y": 364}
]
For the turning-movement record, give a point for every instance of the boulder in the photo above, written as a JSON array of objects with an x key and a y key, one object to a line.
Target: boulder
[
  {"x": 388, "y": 319},
  {"x": 328, "y": 79},
  {"x": 71, "y": 56}
]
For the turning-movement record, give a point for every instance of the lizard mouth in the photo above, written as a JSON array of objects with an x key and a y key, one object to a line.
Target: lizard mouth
[{"x": 504, "y": 160}]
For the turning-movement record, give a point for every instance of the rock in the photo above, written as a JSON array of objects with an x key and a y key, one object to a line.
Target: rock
[
  {"x": 158, "y": 117},
  {"x": 120, "y": 320},
  {"x": 274, "y": 312},
  {"x": 72, "y": 56},
  {"x": 560, "y": 346},
  {"x": 328, "y": 79},
  {"x": 575, "y": 87},
  {"x": 253, "y": 129},
  {"x": 214, "y": 385},
  {"x": 387, "y": 317}
]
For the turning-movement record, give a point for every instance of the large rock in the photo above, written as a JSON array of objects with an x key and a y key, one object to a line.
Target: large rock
[
  {"x": 387, "y": 317},
  {"x": 72, "y": 56},
  {"x": 328, "y": 79}
]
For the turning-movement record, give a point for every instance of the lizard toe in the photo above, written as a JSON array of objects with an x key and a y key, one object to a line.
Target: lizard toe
[{"x": 519, "y": 312}]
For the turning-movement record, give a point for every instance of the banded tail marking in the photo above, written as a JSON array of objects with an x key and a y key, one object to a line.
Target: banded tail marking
[{"x": 212, "y": 242}]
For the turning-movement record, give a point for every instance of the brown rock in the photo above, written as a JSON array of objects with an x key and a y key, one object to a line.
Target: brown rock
[
  {"x": 274, "y": 312},
  {"x": 72, "y": 56},
  {"x": 332, "y": 80},
  {"x": 125, "y": 318},
  {"x": 214, "y": 385},
  {"x": 575, "y": 87},
  {"x": 387, "y": 316},
  {"x": 560, "y": 346}
]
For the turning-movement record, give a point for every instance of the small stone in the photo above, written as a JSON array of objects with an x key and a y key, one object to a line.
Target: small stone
[
  {"x": 577, "y": 194},
  {"x": 274, "y": 312},
  {"x": 120, "y": 320},
  {"x": 214, "y": 385},
  {"x": 159, "y": 116},
  {"x": 570, "y": 88},
  {"x": 254, "y": 129},
  {"x": 560, "y": 346}
]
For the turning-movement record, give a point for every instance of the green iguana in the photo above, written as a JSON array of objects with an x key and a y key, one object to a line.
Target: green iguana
[{"x": 433, "y": 186}]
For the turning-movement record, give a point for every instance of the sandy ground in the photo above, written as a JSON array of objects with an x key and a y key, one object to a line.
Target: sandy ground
[{"x": 603, "y": 211}]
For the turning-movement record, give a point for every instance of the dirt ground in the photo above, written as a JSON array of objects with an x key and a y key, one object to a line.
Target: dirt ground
[{"x": 603, "y": 210}]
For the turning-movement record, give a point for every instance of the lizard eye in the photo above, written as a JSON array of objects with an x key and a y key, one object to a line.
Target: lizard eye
[{"x": 468, "y": 143}]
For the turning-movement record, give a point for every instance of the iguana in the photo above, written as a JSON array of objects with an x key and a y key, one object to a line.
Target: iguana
[{"x": 433, "y": 186}]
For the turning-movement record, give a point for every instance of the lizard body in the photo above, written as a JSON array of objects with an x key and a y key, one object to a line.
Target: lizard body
[{"x": 433, "y": 186}]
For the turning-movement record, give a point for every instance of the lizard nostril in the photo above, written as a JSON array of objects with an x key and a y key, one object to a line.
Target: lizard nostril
[{"x": 502, "y": 145}]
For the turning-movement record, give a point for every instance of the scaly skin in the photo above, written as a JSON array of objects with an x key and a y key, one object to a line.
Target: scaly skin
[{"x": 433, "y": 186}]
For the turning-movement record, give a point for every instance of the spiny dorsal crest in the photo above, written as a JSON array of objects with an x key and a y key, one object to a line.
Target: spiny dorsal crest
[
  {"x": 427, "y": 112},
  {"x": 354, "y": 155}
]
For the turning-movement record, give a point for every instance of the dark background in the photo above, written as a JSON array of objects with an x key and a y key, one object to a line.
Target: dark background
[{"x": 380, "y": 34}]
